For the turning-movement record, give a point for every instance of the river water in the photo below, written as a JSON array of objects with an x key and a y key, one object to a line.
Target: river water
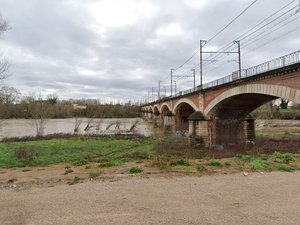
[{"x": 27, "y": 127}]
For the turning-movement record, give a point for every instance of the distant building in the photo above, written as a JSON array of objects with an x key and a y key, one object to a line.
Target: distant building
[{"x": 76, "y": 106}]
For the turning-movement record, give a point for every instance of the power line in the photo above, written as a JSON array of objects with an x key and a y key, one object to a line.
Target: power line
[
  {"x": 209, "y": 40},
  {"x": 252, "y": 33},
  {"x": 219, "y": 32}
]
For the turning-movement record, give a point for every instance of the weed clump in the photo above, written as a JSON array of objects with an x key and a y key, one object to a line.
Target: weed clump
[
  {"x": 283, "y": 157},
  {"x": 180, "y": 162},
  {"x": 259, "y": 164},
  {"x": 200, "y": 168},
  {"x": 94, "y": 175},
  {"x": 133, "y": 170},
  {"x": 13, "y": 180},
  {"x": 69, "y": 170},
  {"x": 216, "y": 163}
]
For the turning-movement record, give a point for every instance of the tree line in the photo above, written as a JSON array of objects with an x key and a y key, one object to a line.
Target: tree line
[{"x": 30, "y": 107}]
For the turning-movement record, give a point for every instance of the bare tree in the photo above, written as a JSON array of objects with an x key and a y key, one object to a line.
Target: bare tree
[
  {"x": 8, "y": 95},
  {"x": 78, "y": 122},
  {"x": 4, "y": 65},
  {"x": 39, "y": 110},
  {"x": 89, "y": 125}
]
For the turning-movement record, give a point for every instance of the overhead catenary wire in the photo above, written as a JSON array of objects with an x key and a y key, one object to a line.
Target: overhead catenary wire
[
  {"x": 247, "y": 35},
  {"x": 218, "y": 33}
]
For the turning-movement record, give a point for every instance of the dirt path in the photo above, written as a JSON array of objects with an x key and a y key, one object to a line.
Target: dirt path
[{"x": 268, "y": 198}]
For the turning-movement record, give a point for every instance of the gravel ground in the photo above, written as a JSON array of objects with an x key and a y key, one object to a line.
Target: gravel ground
[{"x": 268, "y": 198}]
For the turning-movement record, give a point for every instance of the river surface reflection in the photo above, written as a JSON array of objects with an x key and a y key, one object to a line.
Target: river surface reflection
[{"x": 27, "y": 127}]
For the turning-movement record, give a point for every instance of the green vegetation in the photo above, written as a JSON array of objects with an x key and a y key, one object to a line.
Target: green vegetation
[
  {"x": 165, "y": 153},
  {"x": 75, "y": 151},
  {"x": 284, "y": 114},
  {"x": 180, "y": 162},
  {"x": 93, "y": 175},
  {"x": 283, "y": 157},
  {"x": 259, "y": 164},
  {"x": 283, "y": 167},
  {"x": 216, "y": 163},
  {"x": 135, "y": 170}
]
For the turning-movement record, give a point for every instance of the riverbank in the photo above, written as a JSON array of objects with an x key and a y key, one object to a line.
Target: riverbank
[{"x": 79, "y": 159}]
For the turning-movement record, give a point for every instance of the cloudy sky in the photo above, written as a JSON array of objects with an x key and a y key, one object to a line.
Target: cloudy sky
[{"x": 120, "y": 49}]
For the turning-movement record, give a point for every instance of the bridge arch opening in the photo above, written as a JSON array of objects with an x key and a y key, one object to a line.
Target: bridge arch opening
[
  {"x": 228, "y": 118},
  {"x": 182, "y": 113}
]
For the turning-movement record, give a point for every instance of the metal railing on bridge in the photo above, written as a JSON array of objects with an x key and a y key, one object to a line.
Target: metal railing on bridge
[
  {"x": 277, "y": 63},
  {"x": 280, "y": 62}
]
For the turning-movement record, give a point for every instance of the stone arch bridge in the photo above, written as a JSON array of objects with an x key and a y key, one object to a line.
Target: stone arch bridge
[{"x": 217, "y": 114}]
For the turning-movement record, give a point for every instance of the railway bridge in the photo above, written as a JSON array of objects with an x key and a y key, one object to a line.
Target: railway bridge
[{"x": 217, "y": 114}]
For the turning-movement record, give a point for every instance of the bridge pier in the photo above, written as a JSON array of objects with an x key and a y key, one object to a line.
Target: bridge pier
[
  {"x": 249, "y": 129},
  {"x": 220, "y": 133},
  {"x": 168, "y": 122},
  {"x": 198, "y": 130}
]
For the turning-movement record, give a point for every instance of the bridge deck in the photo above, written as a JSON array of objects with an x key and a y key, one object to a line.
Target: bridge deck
[{"x": 286, "y": 61}]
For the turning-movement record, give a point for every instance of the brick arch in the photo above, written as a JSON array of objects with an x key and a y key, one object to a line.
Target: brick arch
[
  {"x": 163, "y": 105},
  {"x": 187, "y": 101},
  {"x": 279, "y": 91},
  {"x": 156, "y": 107}
]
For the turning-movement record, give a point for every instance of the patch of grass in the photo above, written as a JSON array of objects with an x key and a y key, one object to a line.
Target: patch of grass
[
  {"x": 283, "y": 167},
  {"x": 180, "y": 162},
  {"x": 216, "y": 163},
  {"x": 246, "y": 158},
  {"x": 26, "y": 170},
  {"x": 283, "y": 157},
  {"x": 94, "y": 174},
  {"x": 135, "y": 170},
  {"x": 75, "y": 151},
  {"x": 107, "y": 164},
  {"x": 80, "y": 162},
  {"x": 259, "y": 164}
]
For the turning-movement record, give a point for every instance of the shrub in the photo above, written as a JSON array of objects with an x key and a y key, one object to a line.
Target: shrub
[
  {"x": 107, "y": 164},
  {"x": 135, "y": 170},
  {"x": 216, "y": 163}
]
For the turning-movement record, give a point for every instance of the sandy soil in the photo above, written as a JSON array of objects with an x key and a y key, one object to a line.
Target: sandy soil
[{"x": 259, "y": 198}]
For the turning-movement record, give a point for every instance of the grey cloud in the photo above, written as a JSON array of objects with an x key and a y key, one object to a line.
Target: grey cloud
[{"x": 125, "y": 61}]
